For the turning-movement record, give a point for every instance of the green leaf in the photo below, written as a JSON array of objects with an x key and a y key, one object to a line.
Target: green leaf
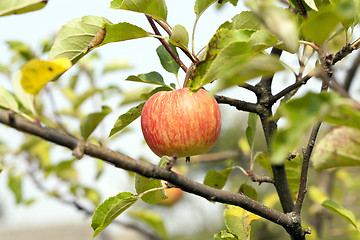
[
  {"x": 251, "y": 128},
  {"x": 264, "y": 161},
  {"x": 167, "y": 61},
  {"x": 341, "y": 211},
  {"x": 143, "y": 184},
  {"x": 127, "y": 118},
  {"x": 146, "y": 96},
  {"x": 225, "y": 235},
  {"x": 282, "y": 23},
  {"x": 261, "y": 40},
  {"x": 319, "y": 26},
  {"x": 248, "y": 191},
  {"x": 348, "y": 11},
  {"x": 301, "y": 114},
  {"x": 73, "y": 38},
  {"x": 238, "y": 220},
  {"x": 343, "y": 112},
  {"x": 110, "y": 209},
  {"x": 293, "y": 172},
  {"x": 179, "y": 36},
  {"x": 151, "y": 78},
  {"x": 242, "y": 68},
  {"x": 339, "y": 148},
  {"x": 116, "y": 64},
  {"x": 92, "y": 195},
  {"x": 202, "y": 5},
  {"x": 39, "y": 149},
  {"x": 15, "y": 185},
  {"x": 20, "y": 6},
  {"x": 151, "y": 219},
  {"x": 7, "y": 100},
  {"x": 317, "y": 195},
  {"x": 79, "y": 99},
  {"x": 90, "y": 122},
  {"x": 21, "y": 50},
  {"x": 243, "y": 20},
  {"x": 217, "y": 179},
  {"x": 99, "y": 168},
  {"x": 121, "y": 32},
  {"x": 220, "y": 43},
  {"x": 66, "y": 171},
  {"x": 155, "y": 8}
]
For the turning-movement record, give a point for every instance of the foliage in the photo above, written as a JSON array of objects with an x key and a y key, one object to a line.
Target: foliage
[{"x": 248, "y": 48}]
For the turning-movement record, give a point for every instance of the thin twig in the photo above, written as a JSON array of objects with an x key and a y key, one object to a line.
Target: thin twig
[
  {"x": 257, "y": 178},
  {"x": 165, "y": 44},
  {"x": 193, "y": 58},
  {"x": 290, "y": 88},
  {"x": 351, "y": 73},
  {"x": 327, "y": 77},
  {"x": 240, "y": 105},
  {"x": 250, "y": 87},
  {"x": 304, "y": 169}
]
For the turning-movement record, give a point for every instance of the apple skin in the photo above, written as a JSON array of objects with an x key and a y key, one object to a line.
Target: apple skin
[
  {"x": 173, "y": 194},
  {"x": 182, "y": 122}
]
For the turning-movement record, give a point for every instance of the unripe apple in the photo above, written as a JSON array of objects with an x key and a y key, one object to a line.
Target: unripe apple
[
  {"x": 183, "y": 122},
  {"x": 173, "y": 194}
]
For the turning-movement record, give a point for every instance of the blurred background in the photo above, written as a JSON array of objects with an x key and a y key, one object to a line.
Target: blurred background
[
  {"x": 46, "y": 210},
  {"x": 46, "y": 194}
]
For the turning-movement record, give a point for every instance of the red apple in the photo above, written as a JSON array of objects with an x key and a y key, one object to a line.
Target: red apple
[{"x": 183, "y": 122}]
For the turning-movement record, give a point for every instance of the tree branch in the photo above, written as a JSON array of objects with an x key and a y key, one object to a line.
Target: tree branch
[
  {"x": 238, "y": 104},
  {"x": 304, "y": 169},
  {"x": 327, "y": 77},
  {"x": 148, "y": 170},
  {"x": 165, "y": 44},
  {"x": 269, "y": 128},
  {"x": 290, "y": 88},
  {"x": 301, "y": 8},
  {"x": 351, "y": 73}
]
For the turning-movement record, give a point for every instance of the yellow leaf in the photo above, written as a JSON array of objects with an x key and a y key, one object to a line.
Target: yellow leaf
[
  {"x": 36, "y": 73},
  {"x": 238, "y": 220}
]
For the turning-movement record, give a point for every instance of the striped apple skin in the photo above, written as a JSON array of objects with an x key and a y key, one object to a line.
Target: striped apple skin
[{"x": 181, "y": 122}]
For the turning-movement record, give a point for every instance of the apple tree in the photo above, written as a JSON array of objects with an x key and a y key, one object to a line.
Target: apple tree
[{"x": 308, "y": 43}]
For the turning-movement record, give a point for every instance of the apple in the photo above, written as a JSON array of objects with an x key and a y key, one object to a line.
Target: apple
[
  {"x": 183, "y": 122},
  {"x": 173, "y": 194}
]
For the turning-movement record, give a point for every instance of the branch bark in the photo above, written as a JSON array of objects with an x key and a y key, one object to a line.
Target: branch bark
[
  {"x": 238, "y": 104},
  {"x": 269, "y": 127}
]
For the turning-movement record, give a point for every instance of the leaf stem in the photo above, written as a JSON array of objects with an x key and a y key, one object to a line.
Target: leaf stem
[{"x": 193, "y": 36}]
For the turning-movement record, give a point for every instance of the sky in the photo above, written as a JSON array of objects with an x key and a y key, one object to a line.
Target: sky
[{"x": 34, "y": 27}]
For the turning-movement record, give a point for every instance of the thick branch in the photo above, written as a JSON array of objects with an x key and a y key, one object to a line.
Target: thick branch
[
  {"x": 269, "y": 128},
  {"x": 147, "y": 169}
]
